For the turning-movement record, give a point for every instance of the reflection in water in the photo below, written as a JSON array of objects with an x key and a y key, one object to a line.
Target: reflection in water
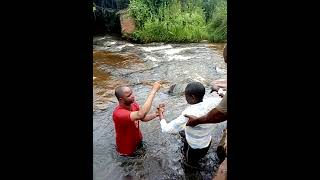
[
  {"x": 114, "y": 59},
  {"x": 117, "y": 62}
]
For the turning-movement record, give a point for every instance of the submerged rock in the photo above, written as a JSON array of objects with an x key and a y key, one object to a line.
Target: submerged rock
[{"x": 177, "y": 89}]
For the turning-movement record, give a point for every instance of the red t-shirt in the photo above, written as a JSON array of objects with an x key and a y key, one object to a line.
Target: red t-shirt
[{"x": 128, "y": 134}]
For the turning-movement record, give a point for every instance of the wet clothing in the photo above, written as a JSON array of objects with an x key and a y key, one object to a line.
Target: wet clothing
[
  {"x": 128, "y": 134},
  {"x": 193, "y": 155},
  {"x": 198, "y": 138}
]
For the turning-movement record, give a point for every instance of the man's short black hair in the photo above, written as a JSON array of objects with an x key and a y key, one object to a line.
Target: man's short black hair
[
  {"x": 196, "y": 89},
  {"x": 119, "y": 92}
]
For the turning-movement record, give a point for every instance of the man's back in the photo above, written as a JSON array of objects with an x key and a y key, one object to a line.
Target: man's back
[
  {"x": 200, "y": 136},
  {"x": 128, "y": 134}
]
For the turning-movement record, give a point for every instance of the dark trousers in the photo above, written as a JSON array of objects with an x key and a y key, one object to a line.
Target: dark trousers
[{"x": 192, "y": 155}]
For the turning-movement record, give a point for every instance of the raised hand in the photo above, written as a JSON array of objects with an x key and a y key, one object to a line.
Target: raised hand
[{"x": 156, "y": 86}]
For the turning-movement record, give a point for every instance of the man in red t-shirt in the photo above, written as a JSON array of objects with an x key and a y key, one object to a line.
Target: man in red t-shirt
[{"x": 126, "y": 118}]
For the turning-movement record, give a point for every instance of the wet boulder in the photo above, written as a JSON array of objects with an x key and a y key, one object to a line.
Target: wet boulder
[
  {"x": 127, "y": 23},
  {"x": 177, "y": 89}
]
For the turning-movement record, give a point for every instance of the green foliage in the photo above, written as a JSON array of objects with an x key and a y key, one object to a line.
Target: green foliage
[
  {"x": 139, "y": 10},
  {"x": 176, "y": 21},
  {"x": 217, "y": 27}
]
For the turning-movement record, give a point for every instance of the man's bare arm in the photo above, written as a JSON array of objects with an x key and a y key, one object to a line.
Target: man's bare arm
[
  {"x": 214, "y": 116},
  {"x": 139, "y": 115}
]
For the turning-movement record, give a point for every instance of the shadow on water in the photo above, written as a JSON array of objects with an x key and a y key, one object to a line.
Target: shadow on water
[{"x": 117, "y": 62}]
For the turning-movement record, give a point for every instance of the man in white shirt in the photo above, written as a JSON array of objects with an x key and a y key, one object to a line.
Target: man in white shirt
[
  {"x": 198, "y": 137},
  {"x": 216, "y": 115}
]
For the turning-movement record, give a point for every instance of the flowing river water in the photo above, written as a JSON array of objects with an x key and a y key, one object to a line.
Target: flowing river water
[{"x": 117, "y": 62}]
